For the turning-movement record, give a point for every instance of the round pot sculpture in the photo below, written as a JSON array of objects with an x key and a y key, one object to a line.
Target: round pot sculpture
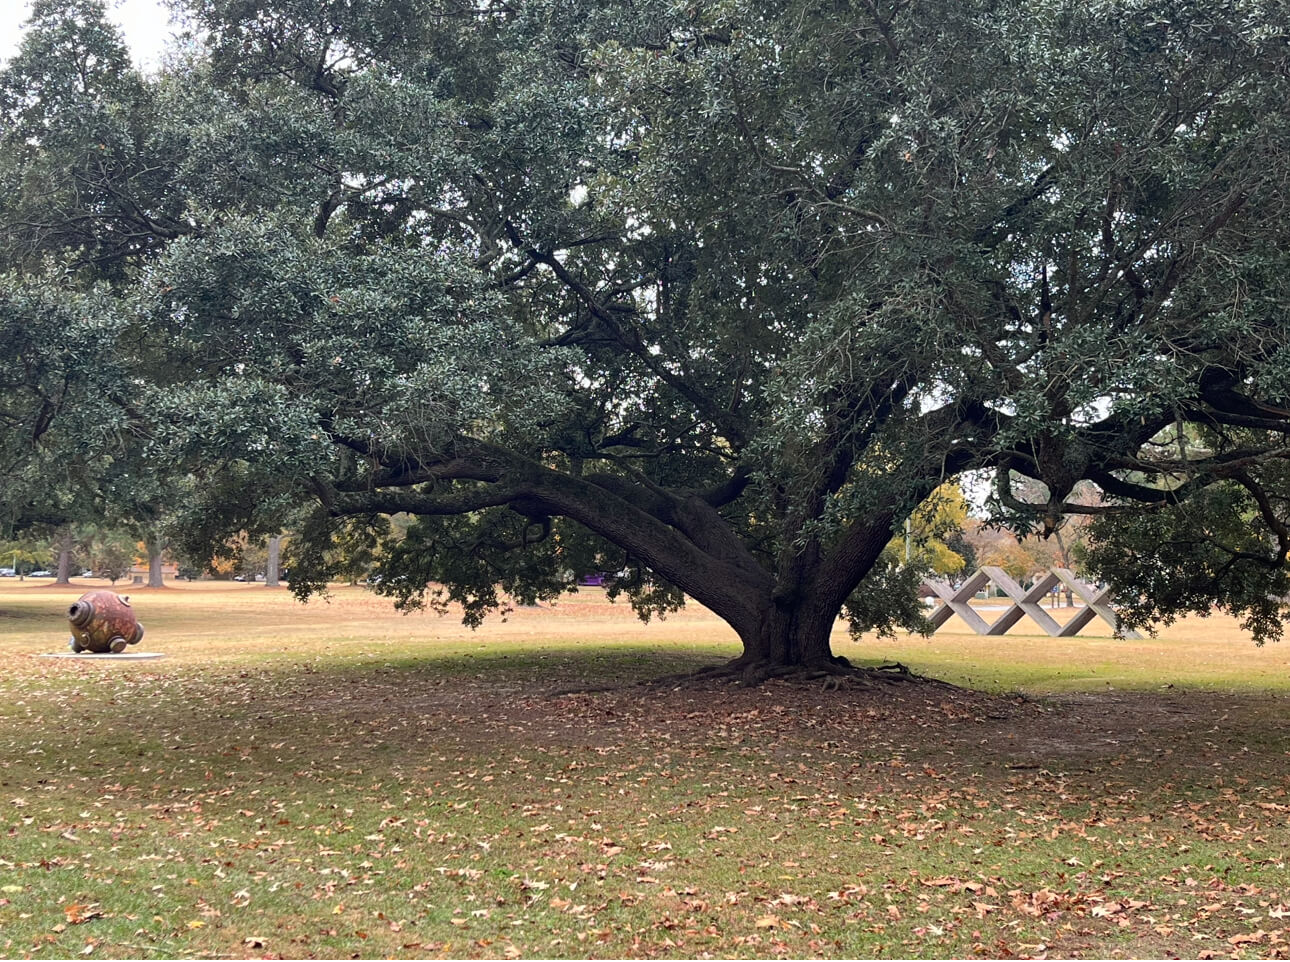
[{"x": 103, "y": 622}]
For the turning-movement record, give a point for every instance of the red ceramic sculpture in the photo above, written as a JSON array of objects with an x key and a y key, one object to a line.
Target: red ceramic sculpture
[{"x": 103, "y": 622}]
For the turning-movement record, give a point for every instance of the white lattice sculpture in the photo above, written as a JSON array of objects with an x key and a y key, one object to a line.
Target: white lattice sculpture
[{"x": 1097, "y": 603}]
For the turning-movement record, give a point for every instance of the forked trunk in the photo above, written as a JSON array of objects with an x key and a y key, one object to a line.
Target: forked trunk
[
  {"x": 789, "y": 638},
  {"x": 791, "y": 629}
]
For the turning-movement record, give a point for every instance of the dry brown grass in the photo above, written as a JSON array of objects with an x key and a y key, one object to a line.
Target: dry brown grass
[{"x": 205, "y": 621}]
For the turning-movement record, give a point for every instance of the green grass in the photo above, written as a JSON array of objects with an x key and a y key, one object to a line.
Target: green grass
[{"x": 338, "y": 780}]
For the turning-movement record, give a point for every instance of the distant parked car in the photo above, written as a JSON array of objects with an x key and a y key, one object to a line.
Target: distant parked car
[
  {"x": 42, "y": 573},
  {"x": 8, "y": 573}
]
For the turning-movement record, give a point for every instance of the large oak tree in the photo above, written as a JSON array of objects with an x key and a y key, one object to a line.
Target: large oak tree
[{"x": 712, "y": 296}]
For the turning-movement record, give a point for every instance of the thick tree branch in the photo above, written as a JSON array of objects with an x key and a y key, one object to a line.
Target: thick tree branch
[
  {"x": 725, "y": 420},
  {"x": 1276, "y": 524}
]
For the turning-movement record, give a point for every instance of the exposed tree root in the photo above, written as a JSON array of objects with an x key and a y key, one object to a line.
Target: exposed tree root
[{"x": 835, "y": 674}]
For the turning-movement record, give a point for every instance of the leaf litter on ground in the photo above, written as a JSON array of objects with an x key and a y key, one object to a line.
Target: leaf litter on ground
[{"x": 408, "y": 806}]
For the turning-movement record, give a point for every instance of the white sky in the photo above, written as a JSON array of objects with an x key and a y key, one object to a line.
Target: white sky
[{"x": 145, "y": 23}]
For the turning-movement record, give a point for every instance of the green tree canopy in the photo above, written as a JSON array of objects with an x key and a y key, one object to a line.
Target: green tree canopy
[
  {"x": 76, "y": 185},
  {"x": 712, "y": 296}
]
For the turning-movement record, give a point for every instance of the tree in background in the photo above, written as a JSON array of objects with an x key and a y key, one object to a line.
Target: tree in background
[
  {"x": 25, "y": 554},
  {"x": 84, "y": 181},
  {"x": 927, "y": 540},
  {"x": 712, "y": 295},
  {"x": 72, "y": 546},
  {"x": 111, "y": 554},
  {"x": 958, "y": 542},
  {"x": 273, "y": 561},
  {"x": 1022, "y": 558},
  {"x": 58, "y": 372},
  {"x": 78, "y": 214},
  {"x": 251, "y": 559},
  {"x": 349, "y": 549},
  {"x": 1027, "y": 555}
]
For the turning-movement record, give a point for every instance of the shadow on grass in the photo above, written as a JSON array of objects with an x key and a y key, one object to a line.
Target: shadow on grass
[
  {"x": 475, "y": 704},
  {"x": 26, "y": 618}
]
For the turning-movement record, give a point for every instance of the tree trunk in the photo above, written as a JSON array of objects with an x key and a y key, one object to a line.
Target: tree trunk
[
  {"x": 792, "y": 632},
  {"x": 784, "y": 616},
  {"x": 64, "y": 559},
  {"x": 155, "y": 579},
  {"x": 272, "y": 568},
  {"x": 791, "y": 637}
]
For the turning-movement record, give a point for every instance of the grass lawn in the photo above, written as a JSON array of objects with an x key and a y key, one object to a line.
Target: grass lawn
[{"x": 338, "y": 780}]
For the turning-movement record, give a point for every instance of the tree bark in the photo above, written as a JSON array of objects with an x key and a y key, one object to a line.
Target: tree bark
[
  {"x": 794, "y": 626},
  {"x": 272, "y": 568},
  {"x": 64, "y": 559},
  {"x": 155, "y": 579},
  {"x": 790, "y": 635}
]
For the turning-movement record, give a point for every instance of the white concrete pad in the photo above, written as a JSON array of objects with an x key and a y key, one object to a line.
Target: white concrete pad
[{"x": 106, "y": 656}]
